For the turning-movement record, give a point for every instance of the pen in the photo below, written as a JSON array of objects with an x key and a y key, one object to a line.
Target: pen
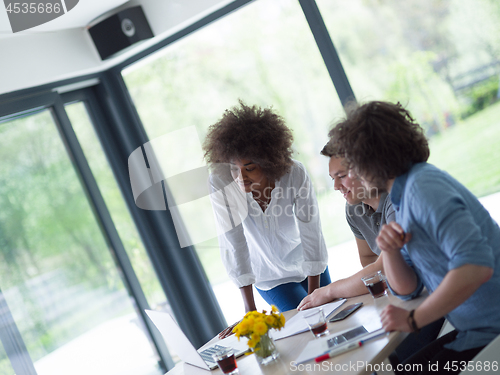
[
  {"x": 349, "y": 347},
  {"x": 338, "y": 351}
]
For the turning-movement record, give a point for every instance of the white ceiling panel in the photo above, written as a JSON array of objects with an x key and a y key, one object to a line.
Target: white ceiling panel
[{"x": 80, "y": 16}]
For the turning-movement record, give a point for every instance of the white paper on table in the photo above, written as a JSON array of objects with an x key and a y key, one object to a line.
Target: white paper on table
[
  {"x": 319, "y": 346},
  {"x": 297, "y": 323}
]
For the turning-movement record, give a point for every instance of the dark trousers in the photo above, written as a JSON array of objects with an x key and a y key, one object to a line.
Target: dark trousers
[
  {"x": 413, "y": 342},
  {"x": 436, "y": 359}
]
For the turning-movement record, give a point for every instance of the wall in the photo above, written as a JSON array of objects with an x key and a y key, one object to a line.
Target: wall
[{"x": 33, "y": 59}]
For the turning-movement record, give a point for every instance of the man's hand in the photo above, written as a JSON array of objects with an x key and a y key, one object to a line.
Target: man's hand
[
  {"x": 392, "y": 238},
  {"x": 228, "y": 331},
  {"x": 395, "y": 319},
  {"x": 319, "y": 297}
]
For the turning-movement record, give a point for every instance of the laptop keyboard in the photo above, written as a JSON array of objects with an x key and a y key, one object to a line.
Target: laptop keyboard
[{"x": 207, "y": 353}]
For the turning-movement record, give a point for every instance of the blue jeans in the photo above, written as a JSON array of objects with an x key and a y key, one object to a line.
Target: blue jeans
[{"x": 288, "y": 296}]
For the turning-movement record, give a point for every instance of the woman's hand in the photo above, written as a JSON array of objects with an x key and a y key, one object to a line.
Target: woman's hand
[
  {"x": 319, "y": 297},
  {"x": 228, "y": 331},
  {"x": 392, "y": 238},
  {"x": 395, "y": 319}
]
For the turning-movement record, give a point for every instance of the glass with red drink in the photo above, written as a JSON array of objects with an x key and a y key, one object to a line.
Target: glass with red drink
[
  {"x": 317, "y": 322},
  {"x": 376, "y": 284},
  {"x": 226, "y": 361}
]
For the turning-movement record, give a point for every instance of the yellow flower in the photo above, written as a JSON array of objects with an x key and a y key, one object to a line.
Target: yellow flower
[
  {"x": 251, "y": 343},
  {"x": 260, "y": 328},
  {"x": 270, "y": 320},
  {"x": 255, "y": 337},
  {"x": 251, "y": 314},
  {"x": 260, "y": 319},
  {"x": 282, "y": 320},
  {"x": 256, "y": 324},
  {"x": 242, "y": 328}
]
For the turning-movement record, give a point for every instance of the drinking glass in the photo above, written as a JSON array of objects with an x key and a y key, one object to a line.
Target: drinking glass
[
  {"x": 376, "y": 284},
  {"x": 226, "y": 361},
  {"x": 317, "y": 323}
]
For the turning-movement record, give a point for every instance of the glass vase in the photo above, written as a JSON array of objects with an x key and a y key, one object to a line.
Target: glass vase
[{"x": 265, "y": 351}]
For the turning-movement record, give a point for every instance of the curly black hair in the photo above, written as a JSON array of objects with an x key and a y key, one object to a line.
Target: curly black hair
[
  {"x": 379, "y": 141},
  {"x": 253, "y": 133}
]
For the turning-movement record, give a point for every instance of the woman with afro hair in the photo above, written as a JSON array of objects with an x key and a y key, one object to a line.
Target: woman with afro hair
[{"x": 269, "y": 227}]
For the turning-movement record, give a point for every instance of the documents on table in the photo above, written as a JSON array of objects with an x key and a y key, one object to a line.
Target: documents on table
[{"x": 297, "y": 324}]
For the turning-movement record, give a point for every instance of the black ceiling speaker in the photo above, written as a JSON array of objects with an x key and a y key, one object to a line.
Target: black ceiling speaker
[{"x": 120, "y": 31}]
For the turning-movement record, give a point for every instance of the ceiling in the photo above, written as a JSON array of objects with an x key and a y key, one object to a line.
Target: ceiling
[
  {"x": 62, "y": 49},
  {"x": 80, "y": 16}
]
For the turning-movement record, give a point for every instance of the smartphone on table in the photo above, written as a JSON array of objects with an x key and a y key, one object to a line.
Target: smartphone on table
[{"x": 348, "y": 310}]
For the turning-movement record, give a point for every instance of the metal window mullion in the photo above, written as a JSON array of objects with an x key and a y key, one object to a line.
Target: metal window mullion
[
  {"x": 13, "y": 342},
  {"x": 179, "y": 270},
  {"x": 328, "y": 51},
  {"x": 108, "y": 228}
]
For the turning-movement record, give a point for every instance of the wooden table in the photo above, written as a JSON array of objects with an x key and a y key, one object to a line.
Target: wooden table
[{"x": 360, "y": 361}]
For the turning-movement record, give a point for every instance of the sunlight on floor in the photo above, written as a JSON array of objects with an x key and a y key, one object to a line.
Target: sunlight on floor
[{"x": 117, "y": 347}]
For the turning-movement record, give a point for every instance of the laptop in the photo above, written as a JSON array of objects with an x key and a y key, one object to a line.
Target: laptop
[{"x": 178, "y": 341}]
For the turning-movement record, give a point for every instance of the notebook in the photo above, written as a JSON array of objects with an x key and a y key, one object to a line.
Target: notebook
[{"x": 178, "y": 341}]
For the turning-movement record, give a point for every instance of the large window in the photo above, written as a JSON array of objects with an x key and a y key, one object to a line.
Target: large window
[
  {"x": 69, "y": 300},
  {"x": 57, "y": 274},
  {"x": 115, "y": 204},
  {"x": 263, "y": 54},
  {"x": 5, "y": 366},
  {"x": 439, "y": 58}
]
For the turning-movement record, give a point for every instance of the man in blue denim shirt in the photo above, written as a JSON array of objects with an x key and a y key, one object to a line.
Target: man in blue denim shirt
[{"x": 442, "y": 238}]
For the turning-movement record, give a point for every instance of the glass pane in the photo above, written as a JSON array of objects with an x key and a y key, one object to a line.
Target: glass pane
[
  {"x": 263, "y": 54},
  {"x": 103, "y": 174},
  {"x": 441, "y": 60},
  {"x": 5, "y": 365},
  {"x": 56, "y": 272}
]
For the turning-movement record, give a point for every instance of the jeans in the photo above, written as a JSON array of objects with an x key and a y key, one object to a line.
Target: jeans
[{"x": 288, "y": 296}]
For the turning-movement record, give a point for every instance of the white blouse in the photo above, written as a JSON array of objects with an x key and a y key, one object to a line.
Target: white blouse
[{"x": 281, "y": 245}]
